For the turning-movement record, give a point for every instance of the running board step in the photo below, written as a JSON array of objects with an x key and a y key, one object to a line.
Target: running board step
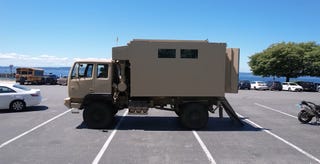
[
  {"x": 138, "y": 111},
  {"x": 138, "y": 108}
]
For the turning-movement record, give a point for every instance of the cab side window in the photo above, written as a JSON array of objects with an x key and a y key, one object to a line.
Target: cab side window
[
  {"x": 82, "y": 70},
  {"x": 85, "y": 70},
  {"x": 102, "y": 71}
]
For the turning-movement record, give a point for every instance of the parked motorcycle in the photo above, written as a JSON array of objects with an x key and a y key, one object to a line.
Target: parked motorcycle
[{"x": 308, "y": 111}]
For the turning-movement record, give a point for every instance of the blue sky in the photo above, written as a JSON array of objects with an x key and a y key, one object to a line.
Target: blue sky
[{"x": 56, "y": 32}]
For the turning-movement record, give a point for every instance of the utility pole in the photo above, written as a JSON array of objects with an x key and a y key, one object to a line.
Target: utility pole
[{"x": 11, "y": 66}]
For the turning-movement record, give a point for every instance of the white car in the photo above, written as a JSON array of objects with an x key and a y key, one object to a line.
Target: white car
[
  {"x": 16, "y": 97},
  {"x": 290, "y": 86},
  {"x": 259, "y": 85}
]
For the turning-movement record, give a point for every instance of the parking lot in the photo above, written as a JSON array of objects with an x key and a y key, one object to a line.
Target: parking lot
[{"x": 50, "y": 133}]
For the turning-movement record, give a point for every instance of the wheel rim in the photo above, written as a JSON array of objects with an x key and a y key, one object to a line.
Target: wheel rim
[
  {"x": 194, "y": 116},
  {"x": 17, "y": 106},
  {"x": 98, "y": 116},
  {"x": 304, "y": 116}
]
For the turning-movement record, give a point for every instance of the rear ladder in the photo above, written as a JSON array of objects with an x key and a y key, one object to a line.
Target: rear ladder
[{"x": 229, "y": 110}]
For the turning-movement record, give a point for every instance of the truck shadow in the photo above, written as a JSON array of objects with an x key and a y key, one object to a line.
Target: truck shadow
[
  {"x": 28, "y": 109},
  {"x": 158, "y": 123}
]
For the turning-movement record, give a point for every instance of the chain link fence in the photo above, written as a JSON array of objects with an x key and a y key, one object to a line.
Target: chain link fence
[{"x": 7, "y": 77}]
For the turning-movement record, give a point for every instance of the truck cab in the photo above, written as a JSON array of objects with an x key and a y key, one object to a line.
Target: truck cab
[{"x": 88, "y": 77}]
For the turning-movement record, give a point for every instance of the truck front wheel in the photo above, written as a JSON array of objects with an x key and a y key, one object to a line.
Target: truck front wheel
[
  {"x": 194, "y": 116},
  {"x": 98, "y": 115}
]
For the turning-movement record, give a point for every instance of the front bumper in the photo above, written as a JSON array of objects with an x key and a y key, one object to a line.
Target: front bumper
[
  {"x": 297, "y": 89},
  {"x": 69, "y": 104}
]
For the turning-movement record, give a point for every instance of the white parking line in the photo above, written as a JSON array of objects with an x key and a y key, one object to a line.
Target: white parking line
[
  {"x": 106, "y": 144},
  {"x": 281, "y": 139},
  {"x": 204, "y": 148},
  {"x": 29, "y": 131},
  {"x": 275, "y": 110}
]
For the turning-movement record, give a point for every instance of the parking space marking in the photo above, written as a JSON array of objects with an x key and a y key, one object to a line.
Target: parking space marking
[
  {"x": 106, "y": 144},
  {"x": 33, "y": 129},
  {"x": 204, "y": 148},
  {"x": 275, "y": 110},
  {"x": 281, "y": 139}
]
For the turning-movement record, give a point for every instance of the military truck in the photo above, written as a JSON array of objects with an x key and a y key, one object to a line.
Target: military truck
[{"x": 187, "y": 77}]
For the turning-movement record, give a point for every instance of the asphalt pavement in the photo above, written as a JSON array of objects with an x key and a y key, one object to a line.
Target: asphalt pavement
[{"x": 50, "y": 133}]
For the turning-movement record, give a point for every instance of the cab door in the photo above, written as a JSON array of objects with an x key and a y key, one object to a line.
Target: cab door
[
  {"x": 103, "y": 80},
  {"x": 81, "y": 80}
]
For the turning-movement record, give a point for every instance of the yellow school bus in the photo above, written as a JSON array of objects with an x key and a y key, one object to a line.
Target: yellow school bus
[{"x": 29, "y": 75}]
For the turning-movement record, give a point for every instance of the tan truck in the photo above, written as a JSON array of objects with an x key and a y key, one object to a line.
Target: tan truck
[{"x": 187, "y": 77}]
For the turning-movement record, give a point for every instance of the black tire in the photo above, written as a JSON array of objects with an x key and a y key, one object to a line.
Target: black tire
[
  {"x": 304, "y": 117},
  {"x": 18, "y": 105},
  {"x": 194, "y": 116},
  {"x": 114, "y": 111},
  {"x": 177, "y": 110},
  {"x": 98, "y": 115},
  {"x": 22, "y": 80}
]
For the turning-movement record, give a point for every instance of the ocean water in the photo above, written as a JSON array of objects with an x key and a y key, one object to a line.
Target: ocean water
[
  {"x": 59, "y": 71},
  {"x": 251, "y": 77},
  {"x": 64, "y": 71}
]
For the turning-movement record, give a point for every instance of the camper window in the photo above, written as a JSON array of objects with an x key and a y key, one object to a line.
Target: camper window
[
  {"x": 166, "y": 53},
  {"x": 189, "y": 53}
]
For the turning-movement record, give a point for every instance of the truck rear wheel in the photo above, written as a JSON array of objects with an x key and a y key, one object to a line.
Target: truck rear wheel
[
  {"x": 98, "y": 115},
  {"x": 194, "y": 116}
]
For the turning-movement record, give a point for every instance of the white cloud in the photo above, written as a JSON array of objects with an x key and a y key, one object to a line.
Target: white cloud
[
  {"x": 75, "y": 59},
  {"x": 10, "y": 56},
  {"x": 43, "y": 60}
]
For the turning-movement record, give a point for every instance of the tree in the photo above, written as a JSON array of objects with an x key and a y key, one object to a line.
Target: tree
[
  {"x": 289, "y": 60},
  {"x": 312, "y": 60}
]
